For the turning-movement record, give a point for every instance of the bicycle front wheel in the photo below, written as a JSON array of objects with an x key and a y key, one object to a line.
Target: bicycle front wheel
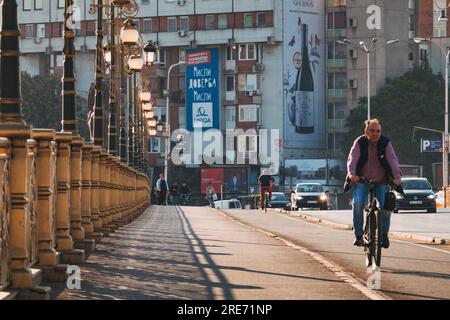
[
  {"x": 369, "y": 238},
  {"x": 379, "y": 237}
]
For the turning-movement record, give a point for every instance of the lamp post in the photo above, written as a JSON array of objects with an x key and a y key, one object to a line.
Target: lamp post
[
  {"x": 367, "y": 50},
  {"x": 167, "y": 148}
]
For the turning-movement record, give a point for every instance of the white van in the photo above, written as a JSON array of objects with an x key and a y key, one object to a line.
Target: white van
[{"x": 228, "y": 204}]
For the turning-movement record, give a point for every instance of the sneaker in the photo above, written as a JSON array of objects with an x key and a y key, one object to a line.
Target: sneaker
[
  {"x": 358, "y": 241},
  {"x": 385, "y": 241}
]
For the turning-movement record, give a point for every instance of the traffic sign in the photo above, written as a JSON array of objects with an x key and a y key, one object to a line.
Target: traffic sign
[{"x": 428, "y": 145}]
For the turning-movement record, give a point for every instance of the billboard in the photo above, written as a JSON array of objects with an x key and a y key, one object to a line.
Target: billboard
[
  {"x": 213, "y": 175},
  {"x": 235, "y": 180},
  {"x": 304, "y": 74},
  {"x": 324, "y": 171},
  {"x": 202, "y": 89}
]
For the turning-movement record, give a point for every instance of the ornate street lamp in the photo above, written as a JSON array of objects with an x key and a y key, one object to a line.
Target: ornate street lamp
[
  {"x": 150, "y": 52},
  {"x": 128, "y": 34},
  {"x": 135, "y": 63}
]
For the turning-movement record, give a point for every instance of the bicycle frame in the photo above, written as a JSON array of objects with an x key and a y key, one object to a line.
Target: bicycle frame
[{"x": 373, "y": 233}]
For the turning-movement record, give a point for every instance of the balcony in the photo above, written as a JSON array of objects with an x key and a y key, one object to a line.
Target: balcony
[
  {"x": 337, "y": 93},
  {"x": 336, "y": 33},
  {"x": 336, "y": 123},
  {"x": 337, "y": 63},
  {"x": 336, "y": 3}
]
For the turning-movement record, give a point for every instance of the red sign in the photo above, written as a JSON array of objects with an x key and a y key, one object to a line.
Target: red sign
[
  {"x": 197, "y": 58},
  {"x": 215, "y": 176}
]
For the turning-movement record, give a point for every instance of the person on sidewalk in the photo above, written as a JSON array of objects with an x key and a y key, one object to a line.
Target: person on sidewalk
[
  {"x": 174, "y": 193},
  {"x": 372, "y": 156},
  {"x": 161, "y": 190},
  {"x": 210, "y": 194}
]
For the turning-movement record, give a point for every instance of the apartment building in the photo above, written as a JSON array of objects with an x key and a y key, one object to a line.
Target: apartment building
[{"x": 260, "y": 54}]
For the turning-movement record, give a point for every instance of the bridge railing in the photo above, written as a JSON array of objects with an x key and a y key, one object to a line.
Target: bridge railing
[{"x": 58, "y": 197}]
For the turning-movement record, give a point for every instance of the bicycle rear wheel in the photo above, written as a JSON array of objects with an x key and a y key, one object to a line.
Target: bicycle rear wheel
[{"x": 368, "y": 237}]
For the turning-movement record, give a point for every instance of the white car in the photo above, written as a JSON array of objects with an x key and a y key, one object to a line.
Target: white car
[
  {"x": 309, "y": 195},
  {"x": 228, "y": 204}
]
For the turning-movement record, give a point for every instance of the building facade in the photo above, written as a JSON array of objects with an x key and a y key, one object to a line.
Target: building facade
[{"x": 260, "y": 55}]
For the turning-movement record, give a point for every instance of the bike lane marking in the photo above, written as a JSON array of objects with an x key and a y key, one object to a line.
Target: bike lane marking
[{"x": 333, "y": 267}]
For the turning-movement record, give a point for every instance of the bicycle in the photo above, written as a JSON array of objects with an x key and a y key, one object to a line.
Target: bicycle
[{"x": 373, "y": 229}]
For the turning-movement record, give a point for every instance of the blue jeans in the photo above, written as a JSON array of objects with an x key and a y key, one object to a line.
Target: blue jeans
[{"x": 360, "y": 191}]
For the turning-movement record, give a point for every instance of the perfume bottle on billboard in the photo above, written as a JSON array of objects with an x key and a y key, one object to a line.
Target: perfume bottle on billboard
[{"x": 304, "y": 94}]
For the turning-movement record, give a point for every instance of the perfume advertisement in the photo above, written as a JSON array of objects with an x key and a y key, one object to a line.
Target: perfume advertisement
[{"x": 304, "y": 74}]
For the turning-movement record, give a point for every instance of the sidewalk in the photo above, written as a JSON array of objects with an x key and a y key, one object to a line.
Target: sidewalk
[{"x": 433, "y": 228}]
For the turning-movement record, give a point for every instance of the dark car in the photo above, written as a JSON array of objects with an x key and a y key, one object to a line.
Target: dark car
[
  {"x": 279, "y": 200},
  {"x": 419, "y": 195}
]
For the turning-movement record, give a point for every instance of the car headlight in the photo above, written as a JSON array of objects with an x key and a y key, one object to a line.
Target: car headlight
[
  {"x": 399, "y": 196},
  {"x": 431, "y": 196},
  {"x": 299, "y": 197},
  {"x": 323, "y": 197}
]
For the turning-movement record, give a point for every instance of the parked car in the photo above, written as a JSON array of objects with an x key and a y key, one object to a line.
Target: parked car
[
  {"x": 309, "y": 195},
  {"x": 279, "y": 200},
  {"x": 419, "y": 195},
  {"x": 228, "y": 204}
]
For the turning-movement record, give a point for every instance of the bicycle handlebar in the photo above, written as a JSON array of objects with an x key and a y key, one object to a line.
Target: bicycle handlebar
[{"x": 391, "y": 185}]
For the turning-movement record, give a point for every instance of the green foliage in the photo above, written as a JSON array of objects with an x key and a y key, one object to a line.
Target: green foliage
[
  {"x": 414, "y": 99},
  {"x": 42, "y": 103}
]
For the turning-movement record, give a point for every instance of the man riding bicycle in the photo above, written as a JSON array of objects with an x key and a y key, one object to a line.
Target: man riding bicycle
[
  {"x": 372, "y": 156},
  {"x": 265, "y": 185}
]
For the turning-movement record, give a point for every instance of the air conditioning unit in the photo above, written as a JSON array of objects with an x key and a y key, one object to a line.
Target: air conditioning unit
[
  {"x": 352, "y": 22},
  {"x": 259, "y": 67},
  {"x": 250, "y": 93},
  {"x": 181, "y": 2},
  {"x": 353, "y": 54},
  {"x": 182, "y": 33},
  {"x": 353, "y": 83},
  {"x": 37, "y": 40}
]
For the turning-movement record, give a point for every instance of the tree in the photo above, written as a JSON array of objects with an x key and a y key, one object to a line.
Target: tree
[
  {"x": 42, "y": 104},
  {"x": 414, "y": 99}
]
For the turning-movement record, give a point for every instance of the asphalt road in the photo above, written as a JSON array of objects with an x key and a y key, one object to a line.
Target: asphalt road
[
  {"x": 409, "y": 270},
  {"x": 202, "y": 253}
]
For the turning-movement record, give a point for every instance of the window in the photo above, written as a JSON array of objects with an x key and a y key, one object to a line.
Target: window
[
  {"x": 37, "y": 4},
  {"x": 26, "y": 5},
  {"x": 229, "y": 83},
  {"x": 60, "y": 4},
  {"x": 261, "y": 20},
  {"x": 147, "y": 25},
  {"x": 230, "y": 117},
  {"x": 145, "y": 1},
  {"x": 247, "y": 51},
  {"x": 40, "y": 30},
  {"x": 231, "y": 53},
  {"x": 223, "y": 21},
  {"x": 161, "y": 58},
  {"x": 155, "y": 145},
  {"x": 248, "y": 20},
  {"x": 337, "y": 80},
  {"x": 184, "y": 23},
  {"x": 336, "y": 51},
  {"x": 172, "y": 24},
  {"x": 337, "y": 20},
  {"x": 249, "y": 112},
  {"x": 28, "y": 31},
  {"x": 210, "y": 22},
  {"x": 248, "y": 83}
]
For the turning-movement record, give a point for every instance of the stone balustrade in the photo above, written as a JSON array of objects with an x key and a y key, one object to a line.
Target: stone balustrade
[{"x": 58, "y": 197}]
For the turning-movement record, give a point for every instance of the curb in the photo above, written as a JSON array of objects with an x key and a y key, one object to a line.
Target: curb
[{"x": 394, "y": 235}]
